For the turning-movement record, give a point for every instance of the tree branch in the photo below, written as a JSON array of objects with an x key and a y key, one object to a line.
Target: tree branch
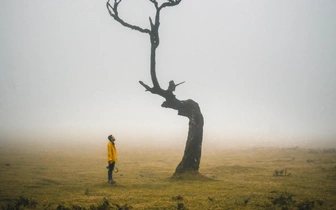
[
  {"x": 145, "y": 86},
  {"x": 171, "y": 101},
  {"x": 155, "y": 41},
  {"x": 113, "y": 11},
  {"x": 155, "y": 3},
  {"x": 170, "y": 3}
]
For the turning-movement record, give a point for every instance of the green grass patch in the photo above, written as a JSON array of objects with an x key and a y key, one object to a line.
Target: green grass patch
[{"x": 228, "y": 179}]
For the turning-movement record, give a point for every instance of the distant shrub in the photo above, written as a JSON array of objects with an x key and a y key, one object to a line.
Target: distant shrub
[
  {"x": 333, "y": 150},
  {"x": 308, "y": 205},
  {"x": 179, "y": 197},
  {"x": 282, "y": 172},
  {"x": 286, "y": 201},
  {"x": 62, "y": 207},
  {"x": 180, "y": 206}
]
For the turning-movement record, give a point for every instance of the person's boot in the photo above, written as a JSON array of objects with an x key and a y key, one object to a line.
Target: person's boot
[{"x": 112, "y": 181}]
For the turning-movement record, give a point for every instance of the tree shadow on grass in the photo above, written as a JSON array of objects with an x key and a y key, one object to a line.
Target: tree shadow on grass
[{"x": 190, "y": 176}]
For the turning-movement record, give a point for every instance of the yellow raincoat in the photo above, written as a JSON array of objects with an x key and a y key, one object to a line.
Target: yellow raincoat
[{"x": 111, "y": 153}]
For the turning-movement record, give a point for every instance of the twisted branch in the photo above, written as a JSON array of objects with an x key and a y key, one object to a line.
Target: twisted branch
[
  {"x": 112, "y": 7},
  {"x": 113, "y": 11},
  {"x": 170, "y": 3}
]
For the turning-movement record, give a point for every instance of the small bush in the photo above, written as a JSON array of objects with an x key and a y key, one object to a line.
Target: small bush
[
  {"x": 20, "y": 203},
  {"x": 282, "y": 172},
  {"x": 284, "y": 200},
  {"x": 179, "y": 197},
  {"x": 180, "y": 206},
  {"x": 62, "y": 207},
  {"x": 308, "y": 205}
]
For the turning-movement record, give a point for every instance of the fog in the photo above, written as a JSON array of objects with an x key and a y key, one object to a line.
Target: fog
[{"x": 263, "y": 72}]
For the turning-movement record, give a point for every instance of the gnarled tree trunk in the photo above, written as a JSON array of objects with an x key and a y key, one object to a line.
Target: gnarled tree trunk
[
  {"x": 188, "y": 108},
  {"x": 193, "y": 149}
]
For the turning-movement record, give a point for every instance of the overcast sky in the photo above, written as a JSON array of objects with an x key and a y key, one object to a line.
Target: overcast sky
[{"x": 263, "y": 72}]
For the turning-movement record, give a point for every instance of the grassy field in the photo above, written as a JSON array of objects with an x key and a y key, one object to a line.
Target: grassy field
[{"x": 253, "y": 178}]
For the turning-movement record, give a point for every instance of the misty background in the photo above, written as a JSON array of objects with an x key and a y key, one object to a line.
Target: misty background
[{"x": 263, "y": 72}]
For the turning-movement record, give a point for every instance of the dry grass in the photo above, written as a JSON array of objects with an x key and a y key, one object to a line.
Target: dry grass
[{"x": 234, "y": 179}]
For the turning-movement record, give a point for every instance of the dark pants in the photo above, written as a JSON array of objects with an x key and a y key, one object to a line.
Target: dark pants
[{"x": 109, "y": 172}]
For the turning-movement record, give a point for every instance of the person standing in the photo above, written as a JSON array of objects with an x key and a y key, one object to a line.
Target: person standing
[{"x": 111, "y": 158}]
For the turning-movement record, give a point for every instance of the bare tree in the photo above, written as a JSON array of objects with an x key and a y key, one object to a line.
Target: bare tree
[{"x": 188, "y": 108}]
